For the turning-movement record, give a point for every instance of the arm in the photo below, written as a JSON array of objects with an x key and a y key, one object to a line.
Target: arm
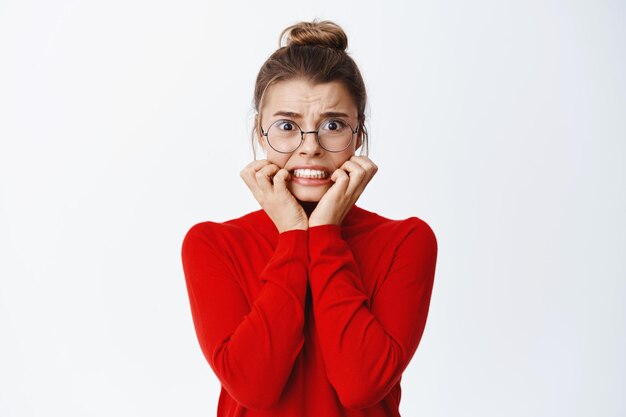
[
  {"x": 251, "y": 348},
  {"x": 367, "y": 349}
]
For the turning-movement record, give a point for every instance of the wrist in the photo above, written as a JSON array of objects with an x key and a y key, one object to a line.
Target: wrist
[
  {"x": 322, "y": 223},
  {"x": 296, "y": 227}
]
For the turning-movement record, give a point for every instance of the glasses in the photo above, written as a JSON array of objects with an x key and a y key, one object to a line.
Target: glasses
[{"x": 285, "y": 136}]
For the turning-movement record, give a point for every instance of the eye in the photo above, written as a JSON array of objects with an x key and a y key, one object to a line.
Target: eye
[
  {"x": 334, "y": 125},
  {"x": 286, "y": 125}
]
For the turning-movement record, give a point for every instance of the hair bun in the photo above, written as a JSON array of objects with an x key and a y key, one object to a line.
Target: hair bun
[{"x": 325, "y": 33}]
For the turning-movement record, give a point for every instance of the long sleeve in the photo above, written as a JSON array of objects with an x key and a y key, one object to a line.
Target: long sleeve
[
  {"x": 251, "y": 348},
  {"x": 367, "y": 344}
]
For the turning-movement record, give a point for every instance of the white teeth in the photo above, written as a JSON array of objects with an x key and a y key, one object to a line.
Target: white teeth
[{"x": 309, "y": 173}]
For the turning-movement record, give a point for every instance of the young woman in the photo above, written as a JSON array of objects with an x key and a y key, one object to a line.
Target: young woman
[{"x": 310, "y": 306}]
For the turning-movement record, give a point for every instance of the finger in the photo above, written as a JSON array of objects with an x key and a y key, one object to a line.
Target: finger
[
  {"x": 353, "y": 168},
  {"x": 357, "y": 176},
  {"x": 267, "y": 172},
  {"x": 366, "y": 164},
  {"x": 248, "y": 176},
  {"x": 341, "y": 180},
  {"x": 255, "y": 165},
  {"x": 247, "y": 173},
  {"x": 363, "y": 158},
  {"x": 264, "y": 178},
  {"x": 280, "y": 180}
]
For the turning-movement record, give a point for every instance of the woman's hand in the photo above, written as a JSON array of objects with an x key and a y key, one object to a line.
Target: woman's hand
[
  {"x": 350, "y": 180},
  {"x": 268, "y": 183}
]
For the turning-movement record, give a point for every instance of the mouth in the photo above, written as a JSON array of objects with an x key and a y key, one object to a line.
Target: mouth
[
  {"x": 315, "y": 174},
  {"x": 310, "y": 177}
]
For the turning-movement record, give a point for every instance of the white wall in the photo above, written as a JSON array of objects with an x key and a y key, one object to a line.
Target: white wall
[{"x": 500, "y": 123}]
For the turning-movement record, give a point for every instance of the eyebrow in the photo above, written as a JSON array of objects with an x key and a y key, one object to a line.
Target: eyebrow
[{"x": 297, "y": 115}]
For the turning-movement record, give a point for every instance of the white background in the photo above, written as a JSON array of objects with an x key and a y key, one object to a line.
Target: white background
[{"x": 501, "y": 124}]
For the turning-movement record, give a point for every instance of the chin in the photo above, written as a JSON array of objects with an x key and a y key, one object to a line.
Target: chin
[{"x": 309, "y": 194}]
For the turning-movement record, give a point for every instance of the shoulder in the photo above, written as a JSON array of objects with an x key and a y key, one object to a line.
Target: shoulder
[
  {"x": 398, "y": 229},
  {"x": 415, "y": 236},
  {"x": 411, "y": 243},
  {"x": 419, "y": 227},
  {"x": 217, "y": 234}
]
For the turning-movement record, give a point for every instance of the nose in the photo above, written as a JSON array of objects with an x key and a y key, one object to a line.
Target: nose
[{"x": 310, "y": 145}]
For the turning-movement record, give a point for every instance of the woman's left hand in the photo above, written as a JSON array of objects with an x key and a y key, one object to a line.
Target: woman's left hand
[{"x": 350, "y": 180}]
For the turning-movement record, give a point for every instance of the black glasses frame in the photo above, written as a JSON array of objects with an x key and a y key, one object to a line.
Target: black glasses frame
[{"x": 302, "y": 133}]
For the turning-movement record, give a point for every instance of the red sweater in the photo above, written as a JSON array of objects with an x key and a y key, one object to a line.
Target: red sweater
[{"x": 318, "y": 323}]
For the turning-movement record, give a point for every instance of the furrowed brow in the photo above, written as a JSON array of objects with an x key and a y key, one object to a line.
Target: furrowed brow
[{"x": 299, "y": 116}]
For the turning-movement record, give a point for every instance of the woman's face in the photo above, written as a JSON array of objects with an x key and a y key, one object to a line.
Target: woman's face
[{"x": 308, "y": 105}]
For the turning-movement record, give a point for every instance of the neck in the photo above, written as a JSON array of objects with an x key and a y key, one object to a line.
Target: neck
[{"x": 308, "y": 206}]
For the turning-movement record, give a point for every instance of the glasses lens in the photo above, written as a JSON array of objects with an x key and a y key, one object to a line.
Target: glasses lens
[
  {"x": 335, "y": 135},
  {"x": 284, "y": 136}
]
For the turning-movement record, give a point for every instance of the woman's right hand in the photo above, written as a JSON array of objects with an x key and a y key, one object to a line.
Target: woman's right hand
[{"x": 268, "y": 183}]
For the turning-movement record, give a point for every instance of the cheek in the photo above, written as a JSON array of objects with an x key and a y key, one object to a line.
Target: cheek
[
  {"x": 277, "y": 158},
  {"x": 342, "y": 157}
]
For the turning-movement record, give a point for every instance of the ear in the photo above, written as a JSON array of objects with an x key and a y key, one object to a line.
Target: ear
[
  {"x": 359, "y": 140},
  {"x": 259, "y": 136}
]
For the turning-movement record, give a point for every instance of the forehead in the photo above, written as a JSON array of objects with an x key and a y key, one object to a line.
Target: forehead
[{"x": 301, "y": 96}]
